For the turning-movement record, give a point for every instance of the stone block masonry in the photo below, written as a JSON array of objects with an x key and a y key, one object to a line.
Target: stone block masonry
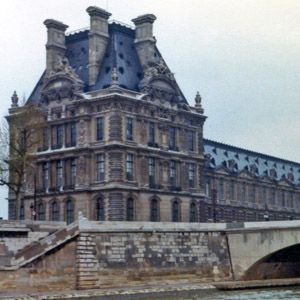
[{"x": 110, "y": 255}]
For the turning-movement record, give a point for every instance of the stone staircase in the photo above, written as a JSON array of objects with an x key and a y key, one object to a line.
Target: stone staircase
[{"x": 38, "y": 248}]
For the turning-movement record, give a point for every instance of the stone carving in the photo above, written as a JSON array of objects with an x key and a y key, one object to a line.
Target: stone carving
[
  {"x": 64, "y": 67},
  {"x": 114, "y": 77},
  {"x": 198, "y": 100},
  {"x": 81, "y": 171},
  {"x": 158, "y": 68},
  {"x": 14, "y": 100}
]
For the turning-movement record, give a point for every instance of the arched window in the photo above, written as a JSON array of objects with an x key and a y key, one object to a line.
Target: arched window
[
  {"x": 129, "y": 210},
  {"x": 69, "y": 212},
  {"x": 193, "y": 212},
  {"x": 100, "y": 209},
  {"x": 175, "y": 211},
  {"x": 41, "y": 212},
  {"x": 22, "y": 211},
  {"x": 55, "y": 211},
  {"x": 154, "y": 210}
]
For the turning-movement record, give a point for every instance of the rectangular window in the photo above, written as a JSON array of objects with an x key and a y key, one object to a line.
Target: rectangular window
[
  {"x": 73, "y": 134},
  {"x": 129, "y": 131},
  {"x": 129, "y": 167},
  {"x": 273, "y": 196},
  {"x": 173, "y": 173},
  {"x": 45, "y": 139},
  {"x": 100, "y": 167},
  {"x": 99, "y": 129},
  {"x": 207, "y": 186},
  {"x": 151, "y": 134},
  {"x": 172, "y": 138},
  {"x": 244, "y": 191},
  {"x": 221, "y": 189},
  {"x": 253, "y": 193},
  {"x": 232, "y": 190},
  {"x": 59, "y": 173},
  {"x": 151, "y": 171},
  {"x": 291, "y": 200},
  {"x": 264, "y": 195},
  {"x": 45, "y": 175},
  {"x": 191, "y": 140},
  {"x": 73, "y": 171},
  {"x": 192, "y": 175},
  {"x": 59, "y": 136},
  {"x": 282, "y": 199}
]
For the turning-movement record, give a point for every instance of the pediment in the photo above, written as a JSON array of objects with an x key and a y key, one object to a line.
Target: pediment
[
  {"x": 222, "y": 170},
  {"x": 266, "y": 178},
  {"x": 284, "y": 182},
  {"x": 245, "y": 174}
]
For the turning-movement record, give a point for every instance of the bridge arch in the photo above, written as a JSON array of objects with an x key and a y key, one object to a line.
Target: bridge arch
[{"x": 284, "y": 263}]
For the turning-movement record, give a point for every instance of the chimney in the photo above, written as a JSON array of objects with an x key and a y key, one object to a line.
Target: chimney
[
  {"x": 98, "y": 40},
  {"x": 55, "y": 46},
  {"x": 144, "y": 40}
]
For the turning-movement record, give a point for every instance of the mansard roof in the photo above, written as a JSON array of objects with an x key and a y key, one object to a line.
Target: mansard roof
[
  {"x": 120, "y": 54},
  {"x": 262, "y": 164}
]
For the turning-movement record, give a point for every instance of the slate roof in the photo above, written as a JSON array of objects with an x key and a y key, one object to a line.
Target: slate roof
[
  {"x": 120, "y": 54},
  {"x": 221, "y": 154}
]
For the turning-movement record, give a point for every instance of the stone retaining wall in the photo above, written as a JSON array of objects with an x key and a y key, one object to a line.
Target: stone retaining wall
[{"x": 131, "y": 254}]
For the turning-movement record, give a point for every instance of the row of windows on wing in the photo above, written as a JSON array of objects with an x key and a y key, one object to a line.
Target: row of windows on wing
[
  {"x": 64, "y": 173},
  {"x": 61, "y": 135},
  {"x": 252, "y": 193},
  {"x": 65, "y": 135},
  {"x": 151, "y": 134},
  {"x": 56, "y": 213}
]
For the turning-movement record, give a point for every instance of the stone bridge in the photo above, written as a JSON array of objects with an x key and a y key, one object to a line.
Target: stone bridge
[
  {"x": 264, "y": 250},
  {"x": 42, "y": 256}
]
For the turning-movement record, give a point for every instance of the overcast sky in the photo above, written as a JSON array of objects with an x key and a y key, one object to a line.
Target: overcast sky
[{"x": 242, "y": 55}]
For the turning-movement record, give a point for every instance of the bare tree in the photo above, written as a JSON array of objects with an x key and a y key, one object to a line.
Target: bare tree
[{"x": 19, "y": 139}]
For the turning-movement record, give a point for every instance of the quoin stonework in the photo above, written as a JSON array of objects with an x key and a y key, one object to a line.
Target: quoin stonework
[{"x": 121, "y": 142}]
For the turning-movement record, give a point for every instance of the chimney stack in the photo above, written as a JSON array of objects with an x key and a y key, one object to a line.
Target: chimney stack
[
  {"x": 98, "y": 40},
  {"x": 56, "y": 46},
  {"x": 144, "y": 40}
]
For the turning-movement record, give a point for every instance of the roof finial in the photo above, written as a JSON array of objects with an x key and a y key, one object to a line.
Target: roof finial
[
  {"x": 14, "y": 100},
  {"x": 114, "y": 77},
  {"x": 198, "y": 100}
]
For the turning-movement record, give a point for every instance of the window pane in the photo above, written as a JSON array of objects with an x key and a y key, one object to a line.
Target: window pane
[
  {"x": 175, "y": 211},
  {"x": 129, "y": 135},
  {"x": 70, "y": 212},
  {"x": 129, "y": 210},
  {"x": 100, "y": 209},
  {"x": 172, "y": 138},
  {"x": 192, "y": 175},
  {"x": 59, "y": 173},
  {"x": 73, "y": 171},
  {"x": 154, "y": 211},
  {"x": 193, "y": 212},
  {"x": 59, "y": 137},
  {"x": 191, "y": 140},
  {"x": 73, "y": 134},
  {"x": 99, "y": 129},
  {"x": 100, "y": 167},
  {"x": 129, "y": 167},
  {"x": 151, "y": 171},
  {"x": 151, "y": 134}
]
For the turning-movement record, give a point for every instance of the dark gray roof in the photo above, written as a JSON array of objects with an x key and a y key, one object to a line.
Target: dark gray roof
[
  {"x": 120, "y": 54},
  {"x": 221, "y": 155}
]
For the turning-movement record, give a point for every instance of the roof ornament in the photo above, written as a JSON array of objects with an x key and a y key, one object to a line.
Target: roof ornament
[
  {"x": 14, "y": 100},
  {"x": 158, "y": 68},
  {"x": 198, "y": 100},
  {"x": 114, "y": 77},
  {"x": 63, "y": 67}
]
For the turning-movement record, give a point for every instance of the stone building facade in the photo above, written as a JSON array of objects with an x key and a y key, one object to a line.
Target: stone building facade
[{"x": 122, "y": 143}]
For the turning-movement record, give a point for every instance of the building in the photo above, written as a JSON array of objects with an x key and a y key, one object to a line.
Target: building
[{"x": 122, "y": 143}]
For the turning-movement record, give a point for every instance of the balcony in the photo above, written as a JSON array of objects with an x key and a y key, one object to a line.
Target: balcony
[
  {"x": 54, "y": 147},
  {"x": 41, "y": 149}
]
